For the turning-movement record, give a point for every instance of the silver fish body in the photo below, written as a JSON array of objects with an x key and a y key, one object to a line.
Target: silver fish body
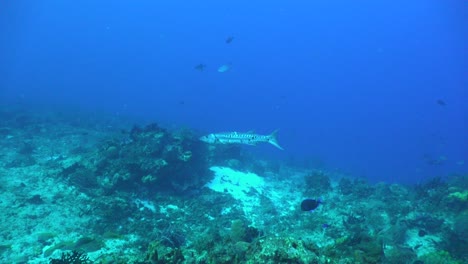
[
  {"x": 224, "y": 68},
  {"x": 248, "y": 138}
]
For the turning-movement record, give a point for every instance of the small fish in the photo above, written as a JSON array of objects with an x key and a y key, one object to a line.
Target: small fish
[
  {"x": 310, "y": 205},
  {"x": 200, "y": 67},
  {"x": 435, "y": 161},
  {"x": 441, "y": 102},
  {"x": 229, "y": 40},
  {"x": 248, "y": 138},
  {"x": 224, "y": 68}
]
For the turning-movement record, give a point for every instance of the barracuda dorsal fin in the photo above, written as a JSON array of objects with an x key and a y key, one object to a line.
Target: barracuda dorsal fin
[{"x": 272, "y": 139}]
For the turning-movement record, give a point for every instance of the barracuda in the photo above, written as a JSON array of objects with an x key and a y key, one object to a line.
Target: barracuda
[{"x": 248, "y": 138}]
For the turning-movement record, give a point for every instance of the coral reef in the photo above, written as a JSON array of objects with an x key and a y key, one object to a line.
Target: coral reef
[
  {"x": 78, "y": 190},
  {"x": 317, "y": 182},
  {"x": 71, "y": 258},
  {"x": 151, "y": 158}
]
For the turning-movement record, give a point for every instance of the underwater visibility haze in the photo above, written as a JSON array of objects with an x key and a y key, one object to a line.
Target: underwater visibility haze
[
  {"x": 152, "y": 111},
  {"x": 353, "y": 84}
]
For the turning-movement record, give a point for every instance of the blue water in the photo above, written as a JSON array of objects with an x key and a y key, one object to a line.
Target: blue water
[{"x": 353, "y": 85}]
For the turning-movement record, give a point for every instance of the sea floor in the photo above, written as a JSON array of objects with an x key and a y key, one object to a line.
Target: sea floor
[{"x": 70, "y": 183}]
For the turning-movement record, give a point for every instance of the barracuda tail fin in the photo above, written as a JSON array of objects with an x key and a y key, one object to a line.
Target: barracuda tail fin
[{"x": 272, "y": 139}]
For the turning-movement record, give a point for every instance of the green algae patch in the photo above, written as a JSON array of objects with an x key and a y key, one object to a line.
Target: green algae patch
[
  {"x": 84, "y": 244},
  {"x": 45, "y": 237},
  {"x": 4, "y": 248},
  {"x": 112, "y": 235},
  {"x": 88, "y": 244},
  {"x": 462, "y": 196},
  {"x": 63, "y": 245},
  {"x": 439, "y": 257}
]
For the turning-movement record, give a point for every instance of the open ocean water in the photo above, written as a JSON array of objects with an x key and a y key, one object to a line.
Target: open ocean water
[{"x": 234, "y": 131}]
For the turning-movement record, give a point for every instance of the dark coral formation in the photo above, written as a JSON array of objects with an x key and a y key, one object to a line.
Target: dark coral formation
[
  {"x": 143, "y": 190},
  {"x": 150, "y": 159},
  {"x": 317, "y": 182}
]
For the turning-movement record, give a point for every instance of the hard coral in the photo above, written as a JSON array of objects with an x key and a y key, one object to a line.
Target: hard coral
[
  {"x": 282, "y": 250},
  {"x": 462, "y": 196},
  {"x": 438, "y": 257},
  {"x": 460, "y": 227},
  {"x": 318, "y": 181},
  {"x": 156, "y": 159},
  {"x": 71, "y": 258}
]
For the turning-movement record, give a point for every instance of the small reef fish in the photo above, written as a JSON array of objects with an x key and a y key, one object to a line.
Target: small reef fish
[
  {"x": 310, "y": 205},
  {"x": 224, "y": 68},
  {"x": 441, "y": 102},
  {"x": 229, "y": 40},
  {"x": 248, "y": 138},
  {"x": 200, "y": 67}
]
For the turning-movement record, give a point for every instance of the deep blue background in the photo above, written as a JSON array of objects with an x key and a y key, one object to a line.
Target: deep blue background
[{"x": 354, "y": 84}]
